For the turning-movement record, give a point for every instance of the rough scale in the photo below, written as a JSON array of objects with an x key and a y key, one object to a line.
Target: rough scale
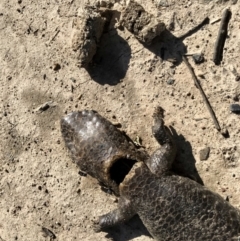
[{"x": 170, "y": 206}]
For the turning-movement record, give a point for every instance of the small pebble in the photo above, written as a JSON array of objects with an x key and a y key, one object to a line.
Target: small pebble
[
  {"x": 204, "y": 153},
  {"x": 45, "y": 106},
  {"x": 225, "y": 132},
  {"x": 170, "y": 81},
  {"x": 47, "y": 232},
  {"x": 56, "y": 67},
  {"x": 83, "y": 174},
  {"x": 198, "y": 58},
  {"x": 236, "y": 97},
  {"x": 235, "y": 108},
  {"x": 73, "y": 80},
  {"x": 237, "y": 78}
]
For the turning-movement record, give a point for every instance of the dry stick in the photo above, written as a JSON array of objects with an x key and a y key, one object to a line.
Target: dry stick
[
  {"x": 222, "y": 34},
  {"x": 194, "y": 29},
  {"x": 202, "y": 93},
  {"x": 55, "y": 35}
]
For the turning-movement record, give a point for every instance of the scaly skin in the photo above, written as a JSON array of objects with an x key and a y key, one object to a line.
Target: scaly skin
[
  {"x": 95, "y": 145},
  {"x": 177, "y": 208},
  {"x": 170, "y": 206}
]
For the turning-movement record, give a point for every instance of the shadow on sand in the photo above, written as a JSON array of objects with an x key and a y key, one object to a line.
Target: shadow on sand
[
  {"x": 184, "y": 164},
  {"x": 168, "y": 47},
  {"x": 110, "y": 63}
]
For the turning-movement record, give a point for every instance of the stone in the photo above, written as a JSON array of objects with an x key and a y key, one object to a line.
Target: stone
[
  {"x": 87, "y": 33},
  {"x": 204, "y": 153},
  {"x": 235, "y": 108},
  {"x": 170, "y": 81},
  {"x": 198, "y": 58},
  {"x": 142, "y": 24}
]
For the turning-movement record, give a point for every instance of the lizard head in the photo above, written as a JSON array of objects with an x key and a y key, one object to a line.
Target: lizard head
[{"x": 99, "y": 148}]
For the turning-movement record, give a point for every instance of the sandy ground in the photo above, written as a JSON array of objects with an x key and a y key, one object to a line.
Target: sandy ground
[{"x": 39, "y": 184}]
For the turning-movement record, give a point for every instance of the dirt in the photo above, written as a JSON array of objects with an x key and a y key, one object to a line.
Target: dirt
[
  {"x": 40, "y": 188},
  {"x": 143, "y": 25}
]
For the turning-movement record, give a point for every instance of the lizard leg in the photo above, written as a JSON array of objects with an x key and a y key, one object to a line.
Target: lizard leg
[
  {"x": 124, "y": 212},
  {"x": 161, "y": 160}
]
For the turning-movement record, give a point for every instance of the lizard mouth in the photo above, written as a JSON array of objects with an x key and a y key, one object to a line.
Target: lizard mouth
[{"x": 120, "y": 168}]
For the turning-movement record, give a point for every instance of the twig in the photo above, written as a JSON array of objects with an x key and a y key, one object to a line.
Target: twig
[
  {"x": 215, "y": 20},
  {"x": 197, "y": 83},
  {"x": 55, "y": 35},
  {"x": 48, "y": 233},
  {"x": 194, "y": 29},
  {"x": 171, "y": 25},
  {"x": 222, "y": 34}
]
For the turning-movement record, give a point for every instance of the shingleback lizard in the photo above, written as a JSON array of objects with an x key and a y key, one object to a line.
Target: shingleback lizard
[{"x": 171, "y": 207}]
